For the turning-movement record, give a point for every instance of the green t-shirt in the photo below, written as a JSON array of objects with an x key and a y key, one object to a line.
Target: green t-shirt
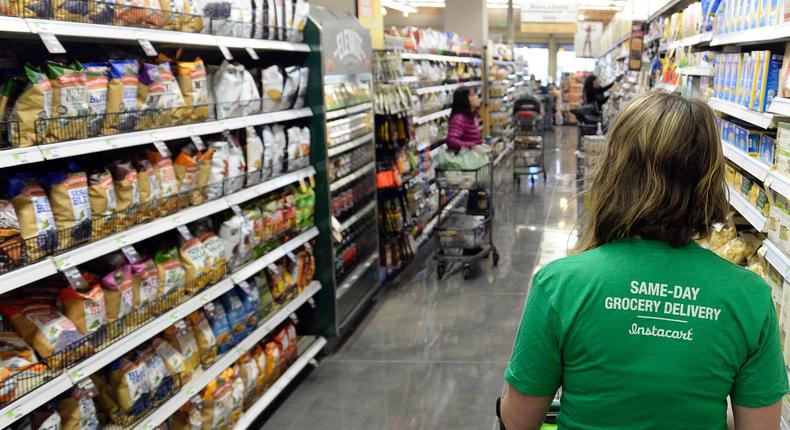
[{"x": 641, "y": 335}]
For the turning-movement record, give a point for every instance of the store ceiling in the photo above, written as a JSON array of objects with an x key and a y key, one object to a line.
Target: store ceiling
[{"x": 590, "y": 10}]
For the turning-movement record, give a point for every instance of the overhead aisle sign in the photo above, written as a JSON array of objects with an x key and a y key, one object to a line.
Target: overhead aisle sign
[{"x": 548, "y": 11}]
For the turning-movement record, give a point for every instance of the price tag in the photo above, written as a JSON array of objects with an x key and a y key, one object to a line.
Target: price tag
[
  {"x": 311, "y": 303},
  {"x": 245, "y": 286},
  {"x": 131, "y": 254},
  {"x": 291, "y": 256},
  {"x": 273, "y": 268},
  {"x": 294, "y": 318},
  {"x": 50, "y": 153},
  {"x": 148, "y": 48},
  {"x": 13, "y": 414},
  {"x": 336, "y": 224},
  {"x": 164, "y": 151},
  {"x": 20, "y": 158},
  {"x": 252, "y": 53},
  {"x": 185, "y": 233},
  {"x": 209, "y": 309},
  {"x": 111, "y": 143},
  {"x": 87, "y": 388},
  {"x": 51, "y": 42},
  {"x": 198, "y": 143},
  {"x": 762, "y": 251},
  {"x": 75, "y": 278},
  {"x": 236, "y": 210},
  {"x": 302, "y": 184},
  {"x": 225, "y": 52}
]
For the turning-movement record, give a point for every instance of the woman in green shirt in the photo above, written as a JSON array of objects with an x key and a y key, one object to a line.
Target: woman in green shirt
[{"x": 643, "y": 328}]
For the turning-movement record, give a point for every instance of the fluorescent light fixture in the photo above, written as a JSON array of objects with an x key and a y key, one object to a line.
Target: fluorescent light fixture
[{"x": 399, "y": 6}]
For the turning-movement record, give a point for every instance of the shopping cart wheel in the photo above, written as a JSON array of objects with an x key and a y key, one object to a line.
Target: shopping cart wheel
[
  {"x": 440, "y": 269},
  {"x": 495, "y": 258},
  {"x": 467, "y": 272}
]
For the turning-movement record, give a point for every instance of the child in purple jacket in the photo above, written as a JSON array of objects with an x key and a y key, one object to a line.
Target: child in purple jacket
[{"x": 464, "y": 128}]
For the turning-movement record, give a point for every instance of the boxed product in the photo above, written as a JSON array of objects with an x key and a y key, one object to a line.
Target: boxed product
[
  {"x": 767, "y": 149},
  {"x": 766, "y": 81},
  {"x": 782, "y": 148}
]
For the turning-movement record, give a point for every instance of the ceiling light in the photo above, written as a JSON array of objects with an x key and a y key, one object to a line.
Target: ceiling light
[
  {"x": 383, "y": 11},
  {"x": 405, "y": 14},
  {"x": 581, "y": 17},
  {"x": 399, "y": 6}
]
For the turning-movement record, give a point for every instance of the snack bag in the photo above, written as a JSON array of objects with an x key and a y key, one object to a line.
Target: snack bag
[
  {"x": 151, "y": 98},
  {"x": 180, "y": 336},
  {"x": 204, "y": 175},
  {"x": 259, "y": 357},
  {"x": 188, "y": 416},
  {"x": 254, "y": 151},
  {"x": 85, "y": 306},
  {"x": 122, "y": 97},
  {"x": 249, "y": 373},
  {"x": 167, "y": 180},
  {"x": 146, "y": 276},
  {"x": 220, "y": 326},
  {"x": 35, "y": 216},
  {"x": 103, "y": 202},
  {"x": 68, "y": 195},
  {"x": 206, "y": 341},
  {"x": 97, "y": 80},
  {"x": 41, "y": 326},
  {"x": 194, "y": 87},
  {"x": 32, "y": 109},
  {"x": 217, "y": 405},
  {"x": 131, "y": 12},
  {"x": 15, "y": 356},
  {"x": 174, "y": 361},
  {"x": 291, "y": 87},
  {"x": 274, "y": 361},
  {"x": 77, "y": 412},
  {"x": 272, "y": 85},
  {"x": 301, "y": 10},
  {"x": 216, "y": 256},
  {"x": 148, "y": 184},
  {"x": 119, "y": 293},
  {"x": 288, "y": 350},
  {"x": 127, "y": 190},
  {"x": 301, "y": 93},
  {"x": 106, "y": 406},
  {"x": 236, "y": 167},
  {"x": 219, "y": 168},
  {"x": 279, "y": 152},
  {"x": 159, "y": 380},
  {"x": 172, "y": 99},
  {"x": 129, "y": 383},
  {"x": 250, "y": 299},
  {"x": 238, "y": 390},
  {"x": 294, "y": 150},
  {"x": 195, "y": 262},
  {"x": 172, "y": 275},
  {"x": 69, "y": 102},
  {"x": 235, "y": 312},
  {"x": 227, "y": 89},
  {"x": 186, "y": 168}
]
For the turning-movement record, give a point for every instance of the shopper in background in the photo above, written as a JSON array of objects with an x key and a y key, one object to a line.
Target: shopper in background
[
  {"x": 644, "y": 328},
  {"x": 593, "y": 92},
  {"x": 464, "y": 128}
]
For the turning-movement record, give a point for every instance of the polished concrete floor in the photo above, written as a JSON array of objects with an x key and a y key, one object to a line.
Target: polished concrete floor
[{"x": 430, "y": 354}]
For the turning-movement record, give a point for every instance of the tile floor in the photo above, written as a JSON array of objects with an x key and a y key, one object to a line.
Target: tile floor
[{"x": 430, "y": 354}]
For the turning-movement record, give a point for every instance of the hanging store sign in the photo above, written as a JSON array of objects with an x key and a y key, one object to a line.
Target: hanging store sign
[
  {"x": 369, "y": 15},
  {"x": 586, "y": 41},
  {"x": 548, "y": 11}
]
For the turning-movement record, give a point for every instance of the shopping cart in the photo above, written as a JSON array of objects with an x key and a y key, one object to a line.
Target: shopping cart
[
  {"x": 465, "y": 229},
  {"x": 529, "y": 151}
]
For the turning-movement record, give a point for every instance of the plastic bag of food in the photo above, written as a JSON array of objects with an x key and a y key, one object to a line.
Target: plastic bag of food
[
  {"x": 250, "y": 297},
  {"x": 122, "y": 97},
  {"x": 217, "y": 405},
  {"x": 254, "y": 149},
  {"x": 193, "y": 257},
  {"x": 172, "y": 275},
  {"x": 188, "y": 416},
  {"x": 146, "y": 275},
  {"x": 151, "y": 99},
  {"x": 32, "y": 109},
  {"x": 237, "y": 168},
  {"x": 204, "y": 175},
  {"x": 174, "y": 360},
  {"x": 85, "y": 306},
  {"x": 288, "y": 350},
  {"x": 172, "y": 99},
  {"x": 235, "y": 312},
  {"x": 737, "y": 250},
  {"x": 301, "y": 93},
  {"x": 181, "y": 336},
  {"x": 77, "y": 411},
  {"x": 269, "y": 148},
  {"x": 119, "y": 293},
  {"x": 106, "y": 406},
  {"x": 206, "y": 341},
  {"x": 249, "y": 373},
  {"x": 131, "y": 12},
  {"x": 33, "y": 210},
  {"x": 194, "y": 88},
  {"x": 720, "y": 234},
  {"x": 227, "y": 88},
  {"x": 42, "y": 327},
  {"x": 272, "y": 84},
  {"x": 290, "y": 88},
  {"x": 101, "y": 194},
  {"x": 294, "y": 146},
  {"x": 148, "y": 184},
  {"x": 158, "y": 377},
  {"x": 68, "y": 195},
  {"x": 15, "y": 356},
  {"x": 241, "y": 18},
  {"x": 129, "y": 383},
  {"x": 275, "y": 361},
  {"x": 166, "y": 177},
  {"x": 301, "y": 10},
  {"x": 216, "y": 256},
  {"x": 278, "y": 153},
  {"x": 127, "y": 190},
  {"x": 69, "y": 102},
  {"x": 186, "y": 168},
  {"x": 97, "y": 79},
  {"x": 218, "y": 319}
]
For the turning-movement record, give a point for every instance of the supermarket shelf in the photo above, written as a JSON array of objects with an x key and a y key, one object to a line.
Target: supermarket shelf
[
  {"x": 354, "y": 275},
  {"x": 763, "y": 120},
  {"x": 18, "y": 156},
  {"x": 345, "y": 180},
  {"x": 199, "y": 381},
  {"x": 697, "y": 71},
  {"x": 432, "y": 116},
  {"x": 249, "y": 270},
  {"x": 87, "y": 31},
  {"x": 754, "y": 166},
  {"x": 697, "y": 39},
  {"x": 405, "y": 80},
  {"x": 746, "y": 209},
  {"x": 339, "y": 149},
  {"x": 437, "y": 57},
  {"x": 249, "y": 416},
  {"x": 776, "y": 258},
  {"x": 337, "y": 113},
  {"x": 49, "y": 266},
  {"x": 34, "y": 399},
  {"x": 779, "y": 183},
  {"x": 91, "y": 145},
  {"x": 25, "y": 275},
  {"x": 755, "y": 35},
  {"x": 447, "y": 87},
  {"x": 780, "y": 106},
  {"x": 357, "y": 216}
]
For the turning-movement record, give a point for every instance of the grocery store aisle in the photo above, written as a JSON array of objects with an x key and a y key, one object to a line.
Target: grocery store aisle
[{"x": 430, "y": 354}]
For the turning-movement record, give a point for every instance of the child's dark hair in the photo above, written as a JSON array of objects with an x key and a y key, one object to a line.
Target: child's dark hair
[{"x": 461, "y": 101}]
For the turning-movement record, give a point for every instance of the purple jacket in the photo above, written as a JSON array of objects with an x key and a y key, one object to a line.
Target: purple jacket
[{"x": 463, "y": 132}]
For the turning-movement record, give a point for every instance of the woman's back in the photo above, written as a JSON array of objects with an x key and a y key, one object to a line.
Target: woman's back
[{"x": 649, "y": 337}]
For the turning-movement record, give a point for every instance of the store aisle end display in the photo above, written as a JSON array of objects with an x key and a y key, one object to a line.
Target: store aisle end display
[
  {"x": 734, "y": 56},
  {"x": 343, "y": 151},
  {"x": 506, "y": 83},
  {"x": 159, "y": 213}
]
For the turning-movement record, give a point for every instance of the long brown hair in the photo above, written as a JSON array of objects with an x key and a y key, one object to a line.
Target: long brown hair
[{"x": 661, "y": 176}]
